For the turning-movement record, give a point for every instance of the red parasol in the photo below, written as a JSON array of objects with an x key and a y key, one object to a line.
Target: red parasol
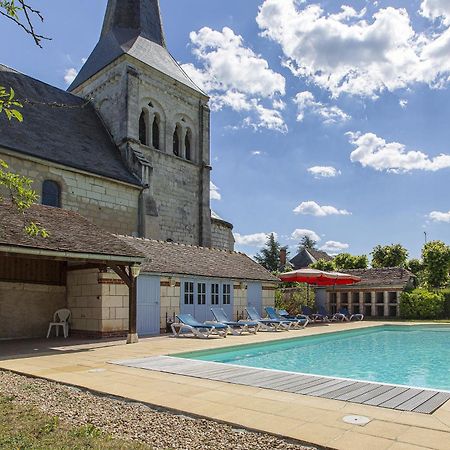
[{"x": 319, "y": 277}]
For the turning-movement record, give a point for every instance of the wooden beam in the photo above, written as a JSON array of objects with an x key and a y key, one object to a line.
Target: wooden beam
[
  {"x": 72, "y": 268},
  {"x": 122, "y": 272}
]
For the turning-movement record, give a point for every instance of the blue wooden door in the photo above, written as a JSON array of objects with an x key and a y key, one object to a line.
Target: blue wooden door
[
  {"x": 148, "y": 305},
  {"x": 187, "y": 300},
  {"x": 254, "y": 296}
]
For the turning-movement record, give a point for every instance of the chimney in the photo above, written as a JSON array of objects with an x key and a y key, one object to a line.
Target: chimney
[{"x": 283, "y": 253}]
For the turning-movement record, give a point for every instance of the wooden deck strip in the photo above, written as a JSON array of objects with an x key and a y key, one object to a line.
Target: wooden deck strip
[{"x": 401, "y": 398}]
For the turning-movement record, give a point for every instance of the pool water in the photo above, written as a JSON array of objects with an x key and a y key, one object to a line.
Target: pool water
[{"x": 407, "y": 355}]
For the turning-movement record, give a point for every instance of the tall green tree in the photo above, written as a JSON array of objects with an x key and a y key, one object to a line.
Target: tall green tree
[
  {"x": 436, "y": 263},
  {"x": 307, "y": 242},
  {"x": 269, "y": 256},
  {"x": 346, "y": 261},
  {"x": 323, "y": 264},
  {"x": 394, "y": 255}
]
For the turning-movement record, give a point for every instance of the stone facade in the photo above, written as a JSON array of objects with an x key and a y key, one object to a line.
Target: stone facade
[
  {"x": 110, "y": 204},
  {"x": 26, "y": 309},
  {"x": 176, "y": 203},
  {"x": 222, "y": 235}
]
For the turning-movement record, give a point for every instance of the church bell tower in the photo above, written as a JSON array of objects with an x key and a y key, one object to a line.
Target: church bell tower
[{"x": 158, "y": 118}]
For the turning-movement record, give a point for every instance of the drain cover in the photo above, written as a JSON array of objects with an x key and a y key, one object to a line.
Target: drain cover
[
  {"x": 96, "y": 370},
  {"x": 356, "y": 420}
]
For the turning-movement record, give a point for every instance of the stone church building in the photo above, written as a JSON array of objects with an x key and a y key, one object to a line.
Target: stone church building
[{"x": 128, "y": 148}]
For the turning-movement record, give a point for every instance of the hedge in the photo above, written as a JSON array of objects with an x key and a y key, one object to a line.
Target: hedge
[{"x": 423, "y": 304}]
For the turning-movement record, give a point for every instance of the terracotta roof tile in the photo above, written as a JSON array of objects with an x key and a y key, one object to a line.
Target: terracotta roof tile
[
  {"x": 172, "y": 258},
  {"x": 68, "y": 232}
]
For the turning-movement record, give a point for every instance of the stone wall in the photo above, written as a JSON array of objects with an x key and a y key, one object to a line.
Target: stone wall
[
  {"x": 170, "y": 299},
  {"x": 222, "y": 235},
  {"x": 27, "y": 309},
  {"x": 99, "y": 303},
  {"x": 268, "y": 295},
  {"x": 177, "y": 204},
  {"x": 109, "y": 204}
]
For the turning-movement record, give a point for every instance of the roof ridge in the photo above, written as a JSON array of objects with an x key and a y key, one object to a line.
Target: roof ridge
[{"x": 159, "y": 241}]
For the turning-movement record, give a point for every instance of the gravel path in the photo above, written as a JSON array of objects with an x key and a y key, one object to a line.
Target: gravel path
[{"x": 134, "y": 421}]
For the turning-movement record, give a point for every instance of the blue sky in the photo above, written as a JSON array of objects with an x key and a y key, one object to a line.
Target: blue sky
[{"x": 327, "y": 116}]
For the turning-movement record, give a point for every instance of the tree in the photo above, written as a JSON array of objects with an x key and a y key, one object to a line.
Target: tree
[
  {"x": 436, "y": 262},
  {"x": 394, "y": 255},
  {"x": 346, "y": 261},
  {"x": 269, "y": 256},
  {"x": 323, "y": 264},
  {"x": 23, "y": 15},
  {"x": 307, "y": 242}
]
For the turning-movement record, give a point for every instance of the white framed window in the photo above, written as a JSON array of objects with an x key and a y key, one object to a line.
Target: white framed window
[
  {"x": 188, "y": 289},
  {"x": 215, "y": 294},
  {"x": 226, "y": 294},
  {"x": 201, "y": 293}
]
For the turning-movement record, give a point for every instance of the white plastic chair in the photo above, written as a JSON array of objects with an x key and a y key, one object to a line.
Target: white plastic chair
[{"x": 60, "y": 319}]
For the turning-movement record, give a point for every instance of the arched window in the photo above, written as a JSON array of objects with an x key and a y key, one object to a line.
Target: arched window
[
  {"x": 51, "y": 194},
  {"x": 155, "y": 132},
  {"x": 176, "y": 141},
  {"x": 143, "y": 128},
  {"x": 187, "y": 144}
]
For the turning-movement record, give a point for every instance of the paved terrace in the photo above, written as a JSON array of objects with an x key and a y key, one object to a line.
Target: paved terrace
[{"x": 303, "y": 417}]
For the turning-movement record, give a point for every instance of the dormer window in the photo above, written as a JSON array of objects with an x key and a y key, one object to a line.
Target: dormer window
[
  {"x": 51, "y": 194},
  {"x": 143, "y": 128}
]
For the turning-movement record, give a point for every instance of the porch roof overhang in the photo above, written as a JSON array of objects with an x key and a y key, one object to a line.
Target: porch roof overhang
[{"x": 76, "y": 257}]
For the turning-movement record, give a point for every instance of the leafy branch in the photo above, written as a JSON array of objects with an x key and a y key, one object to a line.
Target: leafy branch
[
  {"x": 21, "y": 195},
  {"x": 23, "y": 15},
  {"x": 9, "y": 105}
]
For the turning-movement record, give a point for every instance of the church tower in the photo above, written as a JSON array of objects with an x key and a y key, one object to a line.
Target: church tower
[{"x": 158, "y": 118}]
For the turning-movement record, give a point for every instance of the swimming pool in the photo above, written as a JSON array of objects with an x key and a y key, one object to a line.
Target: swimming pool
[{"x": 406, "y": 355}]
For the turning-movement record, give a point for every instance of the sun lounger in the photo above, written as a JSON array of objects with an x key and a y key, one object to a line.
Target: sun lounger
[
  {"x": 267, "y": 324},
  {"x": 243, "y": 326},
  {"x": 198, "y": 329},
  {"x": 337, "y": 317},
  {"x": 350, "y": 317},
  {"x": 296, "y": 322},
  {"x": 312, "y": 316}
]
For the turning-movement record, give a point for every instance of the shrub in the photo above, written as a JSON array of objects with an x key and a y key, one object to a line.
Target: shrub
[{"x": 422, "y": 304}]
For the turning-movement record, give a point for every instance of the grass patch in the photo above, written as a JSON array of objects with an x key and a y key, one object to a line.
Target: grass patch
[{"x": 26, "y": 428}]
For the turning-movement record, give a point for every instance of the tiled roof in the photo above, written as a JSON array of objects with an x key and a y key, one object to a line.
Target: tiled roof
[
  {"x": 305, "y": 257},
  {"x": 381, "y": 277},
  {"x": 68, "y": 232},
  {"x": 179, "y": 259},
  {"x": 72, "y": 135}
]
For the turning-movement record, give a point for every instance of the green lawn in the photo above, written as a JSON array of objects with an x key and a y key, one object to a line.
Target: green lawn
[{"x": 25, "y": 428}]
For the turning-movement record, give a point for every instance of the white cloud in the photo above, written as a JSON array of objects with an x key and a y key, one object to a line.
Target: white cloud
[
  {"x": 324, "y": 171},
  {"x": 352, "y": 53},
  {"x": 334, "y": 247},
  {"x": 257, "y": 153},
  {"x": 252, "y": 240},
  {"x": 307, "y": 104},
  {"x": 236, "y": 77},
  {"x": 437, "y": 216},
  {"x": 436, "y": 9},
  {"x": 70, "y": 75},
  {"x": 403, "y": 103},
  {"x": 373, "y": 151},
  {"x": 299, "y": 233},
  {"x": 214, "y": 193},
  {"x": 313, "y": 209}
]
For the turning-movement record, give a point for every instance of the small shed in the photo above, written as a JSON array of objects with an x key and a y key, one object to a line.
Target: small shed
[{"x": 37, "y": 274}]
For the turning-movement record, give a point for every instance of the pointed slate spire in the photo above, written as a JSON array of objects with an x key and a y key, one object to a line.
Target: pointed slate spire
[
  {"x": 137, "y": 17},
  {"x": 133, "y": 28}
]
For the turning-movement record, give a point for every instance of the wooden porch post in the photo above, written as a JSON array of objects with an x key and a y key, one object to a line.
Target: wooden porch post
[{"x": 132, "y": 329}]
